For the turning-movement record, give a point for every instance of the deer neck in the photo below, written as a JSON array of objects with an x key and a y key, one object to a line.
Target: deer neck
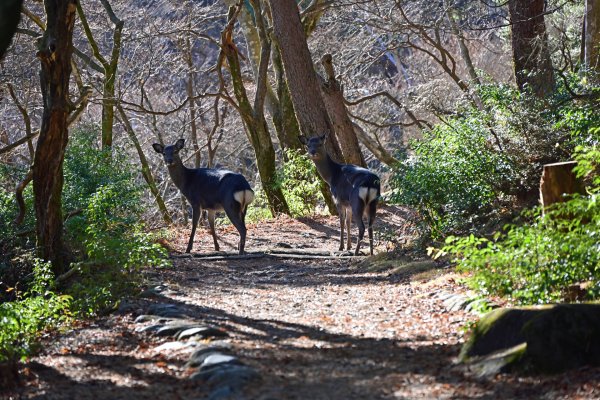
[
  {"x": 177, "y": 171},
  {"x": 327, "y": 168}
]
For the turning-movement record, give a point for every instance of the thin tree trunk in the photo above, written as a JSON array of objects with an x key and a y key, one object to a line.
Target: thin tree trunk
[
  {"x": 253, "y": 115},
  {"x": 146, "y": 173},
  {"x": 55, "y": 52},
  {"x": 110, "y": 69}
]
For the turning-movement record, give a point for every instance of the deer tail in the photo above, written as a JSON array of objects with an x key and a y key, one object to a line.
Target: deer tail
[{"x": 244, "y": 197}]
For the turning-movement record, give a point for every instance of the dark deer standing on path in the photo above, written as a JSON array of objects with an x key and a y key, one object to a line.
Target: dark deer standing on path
[
  {"x": 355, "y": 190},
  {"x": 209, "y": 189}
]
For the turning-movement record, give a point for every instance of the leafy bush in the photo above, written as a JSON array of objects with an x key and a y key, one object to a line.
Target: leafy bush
[
  {"x": 299, "y": 182},
  {"x": 105, "y": 230},
  {"x": 488, "y": 158},
  {"x": 38, "y": 309},
  {"x": 538, "y": 261},
  {"x": 452, "y": 178}
]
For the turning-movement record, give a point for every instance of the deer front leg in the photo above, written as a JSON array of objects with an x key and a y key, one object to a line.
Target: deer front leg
[
  {"x": 211, "y": 223},
  {"x": 195, "y": 218}
]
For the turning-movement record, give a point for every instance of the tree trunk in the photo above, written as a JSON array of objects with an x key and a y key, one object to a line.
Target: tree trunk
[
  {"x": 146, "y": 173},
  {"x": 531, "y": 55},
  {"x": 300, "y": 74},
  {"x": 333, "y": 97},
  {"x": 284, "y": 118},
  {"x": 54, "y": 53},
  {"x": 558, "y": 180},
  {"x": 592, "y": 36},
  {"x": 253, "y": 115},
  {"x": 190, "y": 89}
]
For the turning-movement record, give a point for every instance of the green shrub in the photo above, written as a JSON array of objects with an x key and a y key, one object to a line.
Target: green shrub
[
  {"x": 452, "y": 178},
  {"x": 298, "y": 179},
  {"x": 485, "y": 159},
  {"x": 536, "y": 262},
  {"x": 105, "y": 232},
  {"x": 38, "y": 309}
]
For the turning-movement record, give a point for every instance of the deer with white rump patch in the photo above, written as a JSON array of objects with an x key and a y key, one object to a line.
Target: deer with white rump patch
[
  {"x": 355, "y": 190},
  {"x": 209, "y": 189}
]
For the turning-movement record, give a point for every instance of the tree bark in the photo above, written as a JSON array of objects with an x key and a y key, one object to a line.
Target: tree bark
[
  {"x": 253, "y": 114},
  {"x": 333, "y": 97},
  {"x": 146, "y": 173},
  {"x": 110, "y": 70},
  {"x": 300, "y": 74},
  {"x": 592, "y": 37},
  {"x": 558, "y": 180},
  {"x": 531, "y": 55},
  {"x": 55, "y": 53}
]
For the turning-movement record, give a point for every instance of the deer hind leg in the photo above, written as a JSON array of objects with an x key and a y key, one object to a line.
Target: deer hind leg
[
  {"x": 348, "y": 228},
  {"x": 195, "y": 217},
  {"x": 371, "y": 216},
  {"x": 358, "y": 208},
  {"x": 211, "y": 223},
  {"x": 341, "y": 213},
  {"x": 237, "y": 216}
]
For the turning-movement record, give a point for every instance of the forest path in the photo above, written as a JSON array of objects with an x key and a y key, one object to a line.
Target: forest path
[{"x": 314, "y": 328}]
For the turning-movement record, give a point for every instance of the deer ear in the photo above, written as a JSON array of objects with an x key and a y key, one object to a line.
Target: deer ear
[
  {"x": 302, "y": 139},
  {"x": 179, "y": 144},
  {"x": 158, "y": 148}
]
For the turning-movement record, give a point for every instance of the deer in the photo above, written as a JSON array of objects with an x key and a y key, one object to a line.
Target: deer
[
  {"x": 355, "y": 190},
  {"x": 210, "y": 189}
]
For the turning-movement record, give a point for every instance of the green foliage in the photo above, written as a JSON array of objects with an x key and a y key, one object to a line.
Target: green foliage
[
  {"x": 487, "y": 158},
  {"x": 299, "y": 183},
  {"x": 38, "y": 309},
  {"x": 106, "y": 231},
  {"x": 259, "y": 209},
  {"x": 536, "y": 262},
  {"x": 452, "y": 177}
]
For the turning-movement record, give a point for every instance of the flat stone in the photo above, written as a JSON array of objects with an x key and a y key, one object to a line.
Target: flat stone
[
  {"x": 202, "y": 331},
  {"x": 198, "y": 356},
  {"x": 217, "y": 359},
  {"x": 176, "y": 345},
  {"x": 174, "y": 329},
  {"x": 234, "y": 376},
  {"x": 150, "y": 328}
]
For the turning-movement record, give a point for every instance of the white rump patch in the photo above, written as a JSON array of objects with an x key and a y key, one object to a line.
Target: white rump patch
[
  {"x": 367, "y": 194},
  {"x": 244, "y": 197},
  {"x": 363, "y": 192}
]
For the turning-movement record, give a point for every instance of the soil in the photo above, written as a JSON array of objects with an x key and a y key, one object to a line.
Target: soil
[{"x": 318, "y": 327}]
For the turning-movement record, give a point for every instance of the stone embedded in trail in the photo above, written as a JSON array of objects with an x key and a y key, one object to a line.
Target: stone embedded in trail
[
  {"x": 150, "y": 328},
  {"x": 201, "y": 331},
  {"x": 154, "y": 318},
  {"x": 232, "y": 375},
  {"x": 198, "y": 356},
  {"x": 174, "y": 328},
  {"x": 177, "y": 345},
  {"x": 166, "y": 310}
]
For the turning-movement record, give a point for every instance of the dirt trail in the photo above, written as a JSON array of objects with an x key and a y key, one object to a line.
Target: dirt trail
[{"x": 312, "y": 328}]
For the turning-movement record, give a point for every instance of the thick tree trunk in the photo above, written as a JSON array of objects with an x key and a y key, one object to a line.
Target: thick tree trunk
[
  {"x": 333, "y": 97},
  {"x": 531, "y": 55},
  {"x": 300, "y": 74},
  {"x": 591, "y": 36},
  {"x": 55, "y": 58}
]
